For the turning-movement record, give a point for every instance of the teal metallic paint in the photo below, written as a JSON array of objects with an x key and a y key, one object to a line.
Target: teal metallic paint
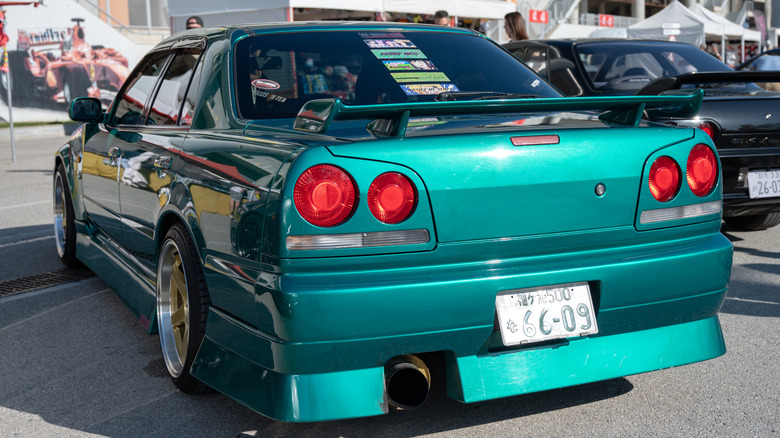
[
  {"x": 586, "y": 360},
  {"x": 304, "y": 335}
]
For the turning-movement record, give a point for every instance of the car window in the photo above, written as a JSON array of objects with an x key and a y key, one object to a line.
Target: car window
[
  {"x": 536, "y": 57},
  {"x": 167, "y": 102},
  {"x": 130, "y": 105},
  {"x": 188, "y": 107},
  {"x": 634, "y": 64},
  {"x": 276, "y": 74},
  {"x": 615, "y": 67}
]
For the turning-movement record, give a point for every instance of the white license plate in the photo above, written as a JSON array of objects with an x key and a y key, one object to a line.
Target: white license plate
[
  {"x": 536, "y": 315},
  {"x": 764, "y": 183}
]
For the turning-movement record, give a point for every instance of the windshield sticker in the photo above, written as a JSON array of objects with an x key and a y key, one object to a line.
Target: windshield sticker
[
  {"x": 419, "y": 89},
  {"x": 381, "y": 34},
  {"x": 384, "y": 44},
  {"x": 398, "y": 54},
  {"x": 420, "y": 77},
  {"x": 265, "y": 84},
  {"x": 268, "y": 97},
  {"x": 418, "y": 64}
]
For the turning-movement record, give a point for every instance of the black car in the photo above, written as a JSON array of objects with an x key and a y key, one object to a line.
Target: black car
[{"x": 742, "y": 117}]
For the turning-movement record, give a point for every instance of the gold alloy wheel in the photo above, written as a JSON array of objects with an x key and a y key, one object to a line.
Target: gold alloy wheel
[
  {"x": 173, "y": 308},
  {"x": 60, "y": 214}
]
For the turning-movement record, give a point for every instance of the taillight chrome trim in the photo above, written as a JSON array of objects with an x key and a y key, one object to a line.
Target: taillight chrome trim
[
  {"x": 682, "y": 212},
  {"x": 357, "y": 240}
]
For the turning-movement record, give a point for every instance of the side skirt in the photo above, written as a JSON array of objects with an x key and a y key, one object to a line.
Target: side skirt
[{"x": 134, "y": 286}]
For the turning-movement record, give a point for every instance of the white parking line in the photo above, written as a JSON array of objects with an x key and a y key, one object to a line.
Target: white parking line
[
  {"x": 22, "y": 242},
  {"x": 752, "y": 301},
  {"x": 53, "y": 309},
  {"x": 8, "y": 207},
  {"x": 47, "y": 290}
]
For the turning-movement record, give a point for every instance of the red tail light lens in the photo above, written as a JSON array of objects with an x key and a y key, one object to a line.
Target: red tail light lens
[
  {"x": 664, "y": 180},
  {"x": 391, "y": 198},
  {"x": 702, "y": 170},
  {"x": 710, "y": 129},
  {"x": 325, "y": 195}
]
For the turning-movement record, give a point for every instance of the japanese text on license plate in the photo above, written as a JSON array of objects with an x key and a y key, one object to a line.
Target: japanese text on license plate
[
  {"x": 764, "y": 184},
  {"x": 536, "y": 315}
]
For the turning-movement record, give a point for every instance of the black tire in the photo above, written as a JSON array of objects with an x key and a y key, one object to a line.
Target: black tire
[
  {"x": 182, "y": 307},
  {"x": 75, "y": 84},
  {"x": 64, "y": 220},
  {"x": 753, "y": 222}
]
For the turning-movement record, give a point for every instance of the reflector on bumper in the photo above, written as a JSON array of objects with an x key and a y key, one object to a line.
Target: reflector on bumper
[
  {"x": 684, "y": 212},
  {"x": 357, "y": 240}
]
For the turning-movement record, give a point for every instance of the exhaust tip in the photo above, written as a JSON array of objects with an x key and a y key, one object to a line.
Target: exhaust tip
[{"x": 408, "y": 382}]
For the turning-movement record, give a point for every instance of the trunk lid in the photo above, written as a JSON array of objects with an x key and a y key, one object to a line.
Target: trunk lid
[{"x": 482, "y": 186}]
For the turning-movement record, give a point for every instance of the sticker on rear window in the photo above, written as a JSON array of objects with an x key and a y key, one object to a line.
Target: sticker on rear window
[
  {"x": 383, "y": 44},
  {"x": 259, "y": 95},
  {"x": 265, "y": 84},
  {"x": 381, "y": 34},
  {"x": 419, "y": 89},
  {"x": 417, "y": 64},
  {"x": 422, "y": 76},
  {"x": 398, "y": 54}
]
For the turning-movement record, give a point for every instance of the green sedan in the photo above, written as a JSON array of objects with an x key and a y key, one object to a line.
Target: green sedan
[{"x": 311, "y": 214}]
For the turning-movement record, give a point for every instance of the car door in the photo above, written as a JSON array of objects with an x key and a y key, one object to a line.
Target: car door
[
  {"x": 148, "y": 161},
  {"x": 102, "y": 161}
]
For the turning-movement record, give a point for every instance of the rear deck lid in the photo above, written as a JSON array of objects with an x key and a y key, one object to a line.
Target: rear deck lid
[{"x": 522, "y": 182}]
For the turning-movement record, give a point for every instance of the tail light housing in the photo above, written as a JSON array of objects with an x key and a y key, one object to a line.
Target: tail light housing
[
  {"x": 325, "y": 195},
  {"x": 664, "y": 179},
  {"x": 391, "y": 198},
  {"x": 702, "y": 170},
  {"x": 709, "y": 128}
]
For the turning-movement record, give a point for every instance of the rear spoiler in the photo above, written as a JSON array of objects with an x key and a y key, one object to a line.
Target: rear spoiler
[
  {"x": 390, "y": 120},
  {"x": 706, "y": 77}
]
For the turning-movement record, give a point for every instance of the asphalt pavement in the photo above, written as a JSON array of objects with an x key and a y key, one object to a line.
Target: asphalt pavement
[{"x": 76, "y": 363}]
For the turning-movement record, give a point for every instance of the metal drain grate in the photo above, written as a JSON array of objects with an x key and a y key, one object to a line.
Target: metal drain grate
[{"x": 39, "y": 281}]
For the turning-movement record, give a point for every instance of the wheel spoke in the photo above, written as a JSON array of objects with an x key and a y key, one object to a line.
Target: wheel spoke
[
  {"x": 179, "y": 338},
  {"x": 179, "y": 317},
  {"x": 178, "y": 283}
]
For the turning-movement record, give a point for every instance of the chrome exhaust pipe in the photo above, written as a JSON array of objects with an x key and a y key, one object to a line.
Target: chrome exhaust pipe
[{"x": 407, "y": 382}]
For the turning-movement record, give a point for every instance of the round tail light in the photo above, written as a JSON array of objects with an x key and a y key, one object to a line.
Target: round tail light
[
  {"x": 325, "y": 195},
  {"x": 702, "y": 170},
  {"x": 391, "y": 198},
  {"x": 664, "y": 179},
  {"x": 710, "y": 129}
]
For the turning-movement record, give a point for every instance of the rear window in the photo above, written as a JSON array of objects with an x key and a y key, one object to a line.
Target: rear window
[
  {"x": 276, "y": 74},
  {"x": 613, "y": 67}
]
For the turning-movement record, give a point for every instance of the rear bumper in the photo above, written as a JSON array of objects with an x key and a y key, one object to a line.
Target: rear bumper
[
  {"x": 361, "y": 392},
  {"x": 321, "y": 356},
  {"x": 736, "y": 162}
]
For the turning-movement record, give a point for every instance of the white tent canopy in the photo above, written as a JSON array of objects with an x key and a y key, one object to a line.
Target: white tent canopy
[
  {"x": 495, "y": 9},
  {"x": 730, "y": 29},
  {"x": 674, "y": 23},
  {"x": 249, "y": 11}
]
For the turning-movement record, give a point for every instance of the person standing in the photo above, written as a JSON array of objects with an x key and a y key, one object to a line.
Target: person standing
[
  {"x": 194, "y": 22},
  {"x": 442, "y": 18},
  {"x": 514, "y": 25}
]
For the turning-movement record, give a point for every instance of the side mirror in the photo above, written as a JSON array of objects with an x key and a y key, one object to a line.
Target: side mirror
[{"x": 85, "y": 109}]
